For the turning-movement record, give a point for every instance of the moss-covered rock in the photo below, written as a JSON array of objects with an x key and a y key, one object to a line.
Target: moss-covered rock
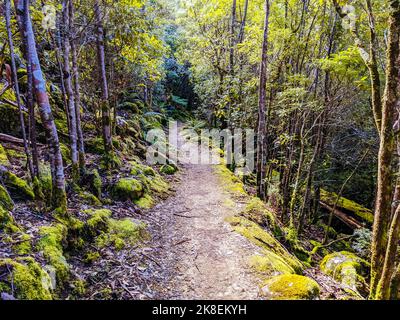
[
  {"x": 28, "y": 280},
  {"x": 346, "y": 268},
  {"x": 265, "y": 240},
  {"x": 270, "y": 264},
  {"x": 52, "y": 239},
  {"x": 168, "y": 169},
  {"x": 3, "y": 157},
  {"x": 89, "y": 198},
  {"x": 138, "y": 169},
  {"x": 127, "y": 189},
  {"x": 257, "y": 211},
  {"x": 17, "y": 187},
  {"x": 5, "y": 199},
  {"x": 145, "y": 202},
  {"x": 290, "y": 287},
  {"x": 7, "y": 222},
  {"x": 98, "y": 222},
  {"x": 122, "y": 233}
]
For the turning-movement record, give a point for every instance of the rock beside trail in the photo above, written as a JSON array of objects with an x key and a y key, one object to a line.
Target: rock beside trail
[
  {"x": 290, "y": 287},
  {"x": 347, "y": 268}
]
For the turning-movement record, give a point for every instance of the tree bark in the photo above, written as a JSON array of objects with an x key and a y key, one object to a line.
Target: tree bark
[
  {"x": 105, "y": 107},
  {"x": 386, "y": 150},
  {"x": 262, "y": 104},
  {"x": 73, "y": 141},
  {"x": 77, "y": 96},
  {"x": 59, "y": 199},
  {"x": 17, "y": 92}
]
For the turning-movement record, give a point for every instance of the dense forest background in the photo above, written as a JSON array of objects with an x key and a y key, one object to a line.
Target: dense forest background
[{"x": 82, "y": 82}]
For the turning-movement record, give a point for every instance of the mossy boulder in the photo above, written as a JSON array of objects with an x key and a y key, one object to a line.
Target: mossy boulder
[
  {"x": 290, "y": 287},
  {"x": 168, "y": 169},
  {"x": 25, "y": 279},
  {"x": 265, "y": 240},
  {"x": 17, "y": 187},
  {"x": 5, "y": 199},
  {"x": 127, "y": 189},
  {"x": 122, "y": 233},
  {"x": 7, "y": 222},
  {"x": 138, "y": 169},
  {"x": 257, "y": 212},
  {"x": 3, "y": 157},
  {"x": 346, "y": 268},
  {"x": 270, "y": 264}
]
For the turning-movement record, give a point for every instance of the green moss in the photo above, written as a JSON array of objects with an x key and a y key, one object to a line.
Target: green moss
[
  {"x": 138, "y": 169},
  {"x": 91, "y": 257},
  {"x": 51, "y": 244},
  {"x": 7, "y": 222},
  {"x": 90, "y": 198},
  {"x": 14, "y": 154},
  {"x": 26, "y": 277},
  {"x": 257, "y": 211},
  {"x": 121, "y": 233},
  {"x": 97, "y": 183},
  {"x": 351, "y": 206},
  {"x": 230, "y": 182},
  {"x": 264, "y": 239},
  {"x": 62, "y": 125},
  {"x": 270, "y": 264},
  {"x": 17, "y": 187},
  {"x": 98, "y": 222},
  {"x": 78, "y": 287},
  {"x": 346, "y": 268},
  {"x": 127, "y": 189},
  {"x": 290, "y": 287},
  {"x": 3, "y": 157},
  {"x": 66, "y": 153},
  {"x": 145, "y": 202},
  {"x": 168, "y": 169},
  {"x": 95, "y": 145},
  {"x": 5, "y": 199},
  {"x": 23, "y": 246}
]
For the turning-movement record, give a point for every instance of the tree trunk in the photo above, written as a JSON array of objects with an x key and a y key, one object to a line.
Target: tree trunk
[
  {"x": 59, "y": 199},
  {"x": 105, "y": 107},
  {"x": 262, "y": 102},
  {"x": 77, "y": 96},
  {"x": 73, "y": 141},
  {"x": 387, "y": 146},
  {"x": 17, "y": 92}
]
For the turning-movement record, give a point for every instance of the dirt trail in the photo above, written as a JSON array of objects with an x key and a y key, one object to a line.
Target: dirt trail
[{"x": 202, "y": 257}]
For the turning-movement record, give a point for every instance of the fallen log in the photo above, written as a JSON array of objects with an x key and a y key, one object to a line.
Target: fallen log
[
  {"x": 346, "y": 219},
  {"x": 13, "y": 140}
]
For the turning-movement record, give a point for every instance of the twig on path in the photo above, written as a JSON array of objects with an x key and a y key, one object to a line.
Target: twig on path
[
  {"x": 182, "y": 241},
  {"x": 150, "y": 258},
  {"x": 183, "y": 216}
]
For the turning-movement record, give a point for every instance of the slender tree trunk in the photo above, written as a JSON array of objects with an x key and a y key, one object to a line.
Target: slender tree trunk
[
  {"x": 105, "y": 105},
  {"x": 17, "y": 92},
  {"x": 59, "y": 199},
  {"x": 262, "y": 103},
  {"x": 77, "y": 96},
  {"x": 73, "y": 140},
  {"x": 387, "y": 146}
]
